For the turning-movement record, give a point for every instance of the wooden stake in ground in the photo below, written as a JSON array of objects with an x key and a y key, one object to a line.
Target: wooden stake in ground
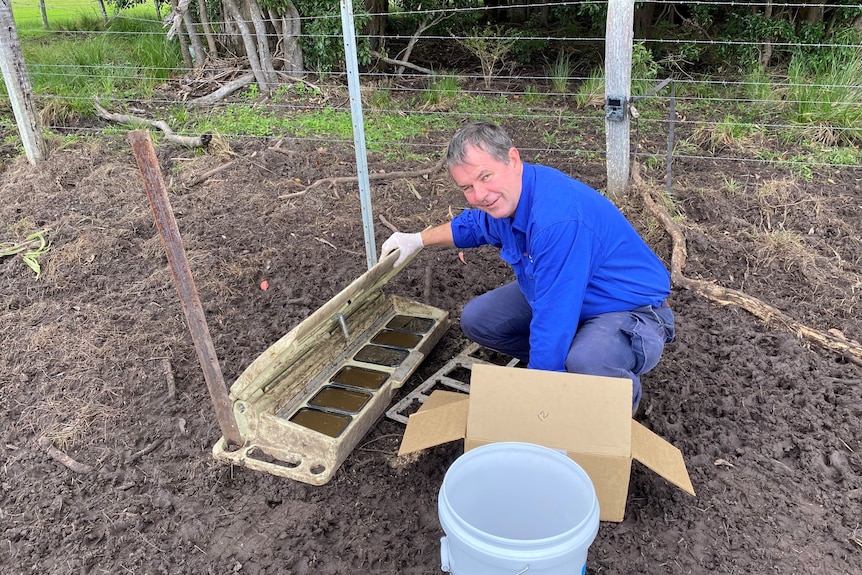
[
  {"x": 157, "y": 192},
  {"x": 18, "y": 87}
]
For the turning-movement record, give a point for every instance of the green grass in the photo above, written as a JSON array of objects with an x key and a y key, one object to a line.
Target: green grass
[
  {"x": 382, "y": 129},
  {"x": 827, "y": 99},
  {"x": 68, "y": 69},
  {"x": 560, "y": 73},
  {"x": 442, "y": 89}
]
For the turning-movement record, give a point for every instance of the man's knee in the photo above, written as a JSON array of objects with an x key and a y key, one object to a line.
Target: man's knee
[{"x": 470, "y": 320}]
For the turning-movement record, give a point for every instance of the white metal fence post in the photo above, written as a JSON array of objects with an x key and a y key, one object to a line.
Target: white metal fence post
[
  {"x": 619, "y": 34},
  {"x": 358, "y": 129},
  {"x": 18, "y": 86}
]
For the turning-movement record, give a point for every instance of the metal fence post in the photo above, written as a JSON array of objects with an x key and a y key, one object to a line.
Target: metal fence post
[{"x": 358, "y": 129}]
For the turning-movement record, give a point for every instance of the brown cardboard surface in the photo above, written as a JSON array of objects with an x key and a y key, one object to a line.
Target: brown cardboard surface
[
  {"x": 610, "y": 476},
  {"x": 558, "y": 410},
  {"x": 441, "y": 419},
  {"x": 660, "y": 456},
  {"x": 587, "y": 417}
]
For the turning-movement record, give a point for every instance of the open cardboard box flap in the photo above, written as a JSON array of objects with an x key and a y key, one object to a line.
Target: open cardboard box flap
[{"x": 588, "y": 417}]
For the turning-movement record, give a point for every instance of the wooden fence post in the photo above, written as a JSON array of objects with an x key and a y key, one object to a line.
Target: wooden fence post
[
  {"x": 619, "y": 34},
  {"x": 18, "y": 86}
]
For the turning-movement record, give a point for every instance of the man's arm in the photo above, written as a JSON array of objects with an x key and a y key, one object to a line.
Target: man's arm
[
  {"x": 409, "y": 244},
  {"x": 438, "y": 236}
]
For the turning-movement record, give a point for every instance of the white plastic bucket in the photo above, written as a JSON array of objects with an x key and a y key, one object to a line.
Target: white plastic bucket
[{"x": 510, "y": 508}]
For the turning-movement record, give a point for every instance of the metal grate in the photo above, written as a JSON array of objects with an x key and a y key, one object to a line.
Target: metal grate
[{"x": 454, "y": 376}]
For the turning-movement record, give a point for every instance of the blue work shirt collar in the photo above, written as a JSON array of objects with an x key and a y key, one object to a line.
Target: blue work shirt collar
[{"x": 521, "y": 219}]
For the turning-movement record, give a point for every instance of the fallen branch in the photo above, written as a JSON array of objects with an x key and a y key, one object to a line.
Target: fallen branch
[
  {"x": 169, "y": 135},
  {"x": 402, "y": 63},
  {"x": 145, "y": 451},
  {"x": 225, "y": 91},
  {"x": 770, "y": 315},
  {"x": 387, "y": 223},
  {"x": 208, "y": 174},
  {"x": 169, "y": 376},
  {"x": 62, "y": 458},
  {"x": 372, "y": 177}
]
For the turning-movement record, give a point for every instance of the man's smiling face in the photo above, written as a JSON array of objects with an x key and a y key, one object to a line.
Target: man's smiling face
[{"x": 489, "y": 184}]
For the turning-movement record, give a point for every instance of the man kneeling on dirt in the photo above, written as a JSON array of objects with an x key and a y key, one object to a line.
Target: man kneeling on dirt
[{"x": 590, "y": 294}]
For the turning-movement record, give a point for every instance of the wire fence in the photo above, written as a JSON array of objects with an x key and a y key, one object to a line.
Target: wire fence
[{"x": 706, "y": 120}]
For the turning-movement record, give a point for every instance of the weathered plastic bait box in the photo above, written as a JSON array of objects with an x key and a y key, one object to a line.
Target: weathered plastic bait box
[{"x": 303, "y": 405}]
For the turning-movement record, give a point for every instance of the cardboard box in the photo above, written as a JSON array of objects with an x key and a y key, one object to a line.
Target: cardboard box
[{"x": 587, "y": 417}]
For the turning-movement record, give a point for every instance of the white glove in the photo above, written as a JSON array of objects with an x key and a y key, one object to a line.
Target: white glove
[{"x": 409, "y": 244}]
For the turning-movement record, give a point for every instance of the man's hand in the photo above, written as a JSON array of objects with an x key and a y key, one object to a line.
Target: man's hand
[{"x": 409, "y": 244}]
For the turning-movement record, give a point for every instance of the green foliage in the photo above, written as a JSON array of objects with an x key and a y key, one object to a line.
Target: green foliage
[
  {"x": 591, "y": 92},
  {"x": 70, "y": 71},
  {"x": 825, "y": 96},
  {"x": 532, "y": 94},
  {"x": 322, "y": 39},
  {"x": 491, "y": 45},
  {"x": 644, "y": 69},
  {"x": 30, "y": 250},
  {"x": 560, "y": 72},
  {"x": 383, "y": 131},
  {"x": 442, "y": 89}
]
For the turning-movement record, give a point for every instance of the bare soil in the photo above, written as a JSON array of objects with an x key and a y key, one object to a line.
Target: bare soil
[{"x": 768, "y": 422}]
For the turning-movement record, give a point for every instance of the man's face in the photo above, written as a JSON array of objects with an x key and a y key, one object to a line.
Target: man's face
[{"x": 489, "y": 184}]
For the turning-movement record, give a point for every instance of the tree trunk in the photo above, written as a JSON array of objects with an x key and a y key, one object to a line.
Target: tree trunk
[
  {"x": 263, "y": 50},
  {"x": 208, "y": 31},
  {"x": 184, "y": 43},
  {"x": 289, "y": 26},
  {"x": 643, "y": 20},
  {"x": 811, "y": 14},
  {"x": 766, "y": 54},
  {"x": 103, "y": 10},
  {"x": 248, "y": 42},
  {"x": 545, "y": 13},
  {"x": 198, "y": 51},
  {"x": 376, "y": 27}
]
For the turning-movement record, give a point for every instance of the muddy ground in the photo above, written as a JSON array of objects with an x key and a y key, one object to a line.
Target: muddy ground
[{"x": 768, "y": 421}]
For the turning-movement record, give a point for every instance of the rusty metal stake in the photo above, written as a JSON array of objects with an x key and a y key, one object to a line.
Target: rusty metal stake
[{"x": 154, "y": 183}]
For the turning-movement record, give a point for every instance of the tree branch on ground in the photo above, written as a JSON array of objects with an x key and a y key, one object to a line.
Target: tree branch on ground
[
  {"x": 770, "y": 315},
  {"x": 400, "y": 63},
  {"x": 225, "y": 91},
  {"x": 373, "y": 177},
  {"x": 190, "y": 141}
]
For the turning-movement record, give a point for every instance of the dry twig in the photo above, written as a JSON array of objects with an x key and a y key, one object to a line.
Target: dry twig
[
  {"x": 208, "y": 174},
  {"x": 387, "y": 223},
  {"x": 169, "y": 376},
  {"x": 146, "y": 450},
  {"x": 373, "y": 177},
  {"x": 62, "y": 458}
]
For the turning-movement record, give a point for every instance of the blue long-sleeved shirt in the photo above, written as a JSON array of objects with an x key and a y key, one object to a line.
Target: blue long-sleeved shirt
[{"x": 574, "y": 254}]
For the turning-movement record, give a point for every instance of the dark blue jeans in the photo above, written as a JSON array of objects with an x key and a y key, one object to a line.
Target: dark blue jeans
[{"x": 625, "y": 344}]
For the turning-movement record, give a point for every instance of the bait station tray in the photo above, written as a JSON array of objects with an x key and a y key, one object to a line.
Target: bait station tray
[{"x": 304, "y": 403}]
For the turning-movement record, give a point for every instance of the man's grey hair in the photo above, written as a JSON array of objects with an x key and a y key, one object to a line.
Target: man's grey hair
[{"x": 482, "y": 135}]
